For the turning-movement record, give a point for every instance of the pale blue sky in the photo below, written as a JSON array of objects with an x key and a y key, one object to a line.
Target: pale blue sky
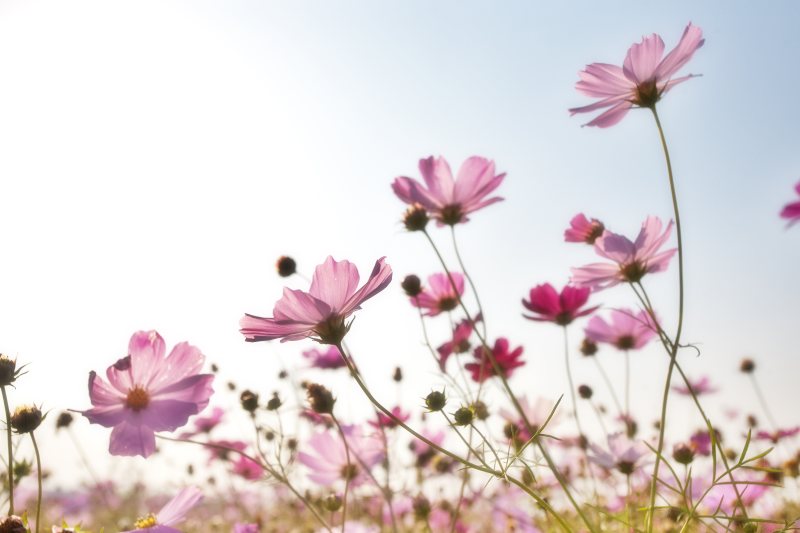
[{"x": 156, "y": 157}]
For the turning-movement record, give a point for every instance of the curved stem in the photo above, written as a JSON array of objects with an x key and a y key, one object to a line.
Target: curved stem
[
  {"x": 674, "y": 352},
  {"x": 469, "y": 278},
  {"x": 349, "y": 466},
  {"x": 763, "y": 401},
  {"x": 10, "y": 454},
  {"x": 38, "y": 482}
]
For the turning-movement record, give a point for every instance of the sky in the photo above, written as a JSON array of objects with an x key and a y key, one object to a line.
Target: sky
[{"x": 157, "y": 157}]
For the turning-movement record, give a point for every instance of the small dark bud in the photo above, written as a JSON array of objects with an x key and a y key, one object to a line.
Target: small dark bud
[
  {"x": 583, "y": 442},
  {"x": 435, "y": 401},
  {"x": 8, "y": 370},
  {"x": 747, "y": 366},
  {"x": 683, "y": 453},
  {"x": 752, "y": 421},
  {"x": 320, "y": 398},
  {"x": 481, "y": 410},
  {"x": 631, "y": 427},
  {"x": 792, "y": 468},
  {"x": 731, "y": 454},
  {"x": 286, "y": 266},
  {"x": 398, "y": 374},
  {"x": 510, "y": 430},
  {"x": 412, "y": 285},
  {"x": 269, "y": 435},
  {"x": 274, "y": 403},
  {"x": 283, "y": 374},
  {"x": 527, "y": 477},
  {"x": 291, "y": 444},
  {"x": 626, "y": 467},
  {"x": 249, "y": 400},
  {"x": 190, "y": 470},
  {"x": 585, "y": 392},
  {"x": 304, "y": 384},
  {"x": 64, "y": 420},
  {"x": 415, "y": 218},
  {"x": 463, "y": 416},
  {"x": 674, "y": 513},
  {"x": 214, "y": 368},
  {"x": 21, "y": 470},
  {"x": 588, "y": 347},
  {"x": 26, "y": 418},
  {"x": 332, "y": 503},
  {"x": 231, "y": 386},
  {"x": 422, "y": 508},
  {"x": 12, "y": 524}
]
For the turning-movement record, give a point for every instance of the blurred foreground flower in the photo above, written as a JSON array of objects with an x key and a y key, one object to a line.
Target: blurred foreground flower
[
  {"x": 319, "y": 313},
  {"x": 450, "y": 201},
  {"x": 632, "y": 259},
  {"x": 172, "y": 513},
  {"x": 148, "y": 392},
  {"x": 642, "y": 80},
  {"x": 792, "y": 211}
]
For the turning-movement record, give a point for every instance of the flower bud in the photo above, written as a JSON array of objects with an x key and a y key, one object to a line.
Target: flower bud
[
  {"x": 249, "y": 401},
  {"x": 585, "y": 392},
  {"x": 398, "y": 374},
  {"x": 274, "y": 403},
  {"x": 463, "y": 416},
  {"x": 8, "y": 370},
  {"x": 63, "y": 420},
  {"x": 481, "y": 410},
  {"x": 683, "y": 453},
  {"x": 286, "y": 266},
  {"x": 435, "y": 401},
  {"x": 422, "y": 508},
  {"x": 12, "y": 524},
  {"x": 26, "y": 418},
  {"x": 412, "y": 285},
  {"x": 588, "y": 347},
  {"x": 320, "y": 398},
  {"x": 415, "y": 218},
  {"x": 747, "y": 366},
  {"x": 332, "y": 503}
]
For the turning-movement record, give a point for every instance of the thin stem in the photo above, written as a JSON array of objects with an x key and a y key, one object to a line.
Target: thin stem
[
  {"x": 763, "y": 401},
  {"x": 628, "y": 385},
  {"x": 10, "y": 454},
  {"x": 674, "y": 352},
  {"x": 349, "y": 467},
  {"x": 469, "y": 278},
  {"x": 571, "y": 383},
  {"x": 610, "y": 386},
  {"x": 38, "y": 482},
  {"x": 515, "y": 402}
]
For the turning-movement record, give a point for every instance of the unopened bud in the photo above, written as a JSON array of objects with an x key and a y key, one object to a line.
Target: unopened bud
[
  {"x": 320, "y": 398},
  {"x": 588, "y": 347},
  {"x": 286, "y": 266},
  {"x": 274, "y": 403},
  {"x": 435, "y": 401},
  {"x": 422, "y": 508},
  {"x": 747, "y": 366},
  {"x": 415, "y": 218},
  {"x": 398, "y": 374},
  {"x": 26, "y": 418},
  {"x": 249, "y": 400},
  {"x": 585, "y": 392},
  {"x": 683, "y": 453},
  {"x": 8, "y": 370},
  {"x": 463, "y": 416},
  {"x": 64, "y": 420},
  {"x": 332, "y": 503},
  {"x": 412, "y": 285}
]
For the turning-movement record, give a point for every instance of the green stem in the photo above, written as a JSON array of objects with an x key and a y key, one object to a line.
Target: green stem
[
  {"x": 38, "y": 481},
  {"x": 674, "y": 352},
  {"x": 349, "y": 466},
  {"x": 10, "y": 454}
]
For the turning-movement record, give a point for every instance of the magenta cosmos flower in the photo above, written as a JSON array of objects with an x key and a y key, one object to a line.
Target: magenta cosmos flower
[
  {"x": 460, "y": 341},
  {"x": 581, "y": 229},
  {"x": 507, "y": 361},
  {"x": 147, "y": 392},
  {"x": 450, "y": 201},
  {"x": 319, "y": 313},
  {"x": 326, "y": 359},
  {"x": 561, "y": 309},
  {"x": 441, "y": 294},
  {"x": 327, "y": 460},
  {"x": 631, "y": 260},
  {"x": 644, "y": 77},
  {"x": 626, "y": 330},
  {"x": 792, "y": 210},
  {"x": 172, "y": 513}
]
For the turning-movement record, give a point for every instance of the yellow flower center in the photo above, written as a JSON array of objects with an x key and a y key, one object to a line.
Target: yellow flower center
[{"x": 146, "y": 522}]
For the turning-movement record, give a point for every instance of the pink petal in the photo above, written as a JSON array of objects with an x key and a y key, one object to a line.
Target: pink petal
[
  {"x": 129, "y": 439},
  {"x": 573, "y": 298},
  {"x": 612, "y": 116},
  {"x": 602, "y": 80},
  {"x": 175, "y": 510},
  {"x": 196, "y": 389},
  {"x": 601, "y": 104},
  {"x": 616, "y": 247},
  {"x": 100, "y": 393},
  {"x": 334, "y": 282},
  {"x": 643, "y": 58},
  {"x": 544, "y": 300},
  {"x": 438, "y": 177},
  {"x": 691, "y": 40},
  {"x": 379, "y": 279},
  {"x": 256, "y": 328},
  {"x": 147, "y": 349},
  {"x": 596, "y": 275},
  {"x": 412, "y": 192},
  {"x": 302, "y": 307}
]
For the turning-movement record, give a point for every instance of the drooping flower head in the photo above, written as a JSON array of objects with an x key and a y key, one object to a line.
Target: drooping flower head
[
  {"x": 441, "y": 294},
  {"x": 319, "y": 313},
  {"x": 171, "y": 514},
  {"x": 625, "y": 331},
  {"x": 327, "y": 458},
  {"x": 507, "y": 361},
  {"x": 460, "y": 341},
  {"x": 631, "y": 260},
  {"x": 328, "y": 359},
  {"x": 449, "y": 200},
  {"x": 583, "y": 230},
  {"x": 792, "y": 211},
  {"x": 561, "y": 309},
  {"x": 148, "y": 392},
  {"x": 644, "y": 77}
]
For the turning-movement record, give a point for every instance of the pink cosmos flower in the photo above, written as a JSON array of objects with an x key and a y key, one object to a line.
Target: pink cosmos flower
[
  {"x": 387, "y": 422},
  {"x": 626, "y": 331},
  {"x": 701, "y": 386},
  {"x": 329, "y": 359},
  {"x": 507, "y": 361},
  {"x": 204, "y": 424},
  {"x": 148, "y": 392},
  {"x": 319, "y": 313},
  {"x": 700, "y": 442},
  {"x": 775, "y": 436},
  {"x": 441, "y": 294},
  {"x": 450, "y": 201},
  {"x": 460, "y": 341},
  {"x": 172, "y": 513},
  {"x": 644, "y": 77},
  {"x": 792, "y": 211},
  {"x": 247, "y": 468},
  {"x": 560, "y": 309},
  {"x": 631, "y": 260},
  {"x": 221, "y": 454},
  {"x": 623, "y": 454},
  {"x": 583, "y": 230},
  {"x": 327, "y": 462}
]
